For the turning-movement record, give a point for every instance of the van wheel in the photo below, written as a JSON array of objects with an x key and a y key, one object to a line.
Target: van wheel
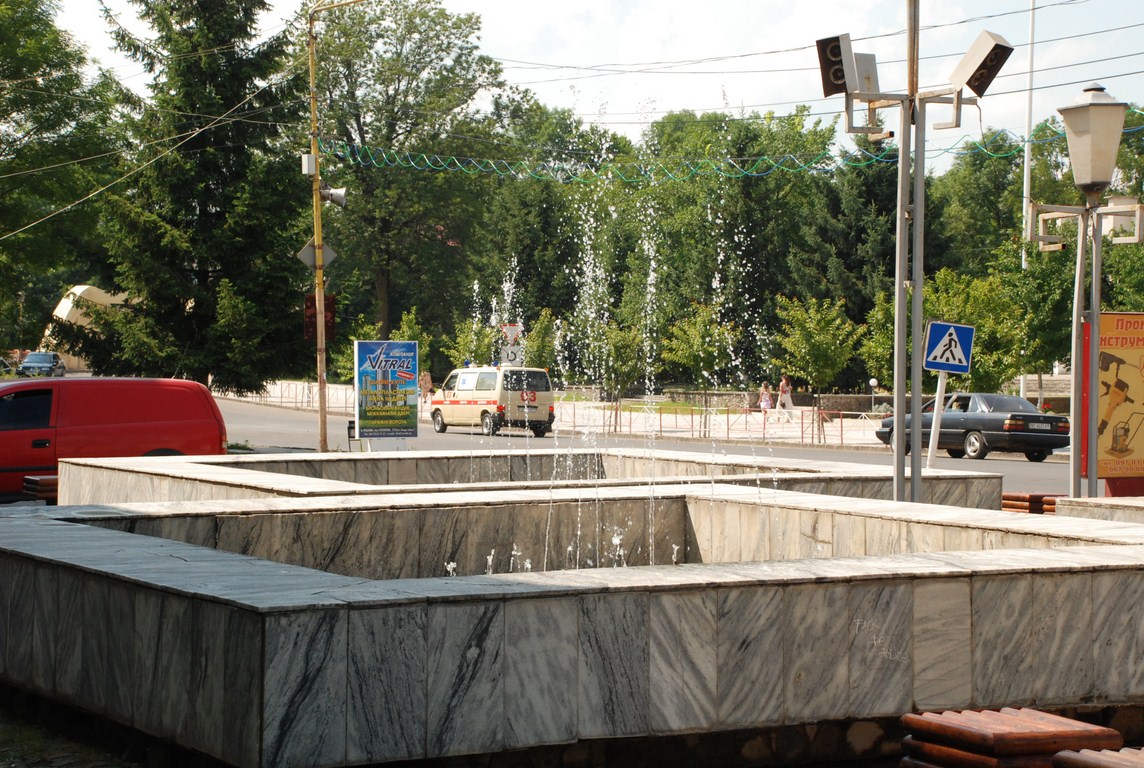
[
  {"x": 163, "y": 452},
  {"x": 439, "y": 424},
  {"x": 540, "y": 430},
  {"x": 955, "y": 453},
  {"x": 488, "y": 424}
]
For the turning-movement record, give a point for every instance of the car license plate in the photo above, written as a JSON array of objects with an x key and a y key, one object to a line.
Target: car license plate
[
  {"x": 1039, "y": 425},
  {"x": 527, "y": 407}
]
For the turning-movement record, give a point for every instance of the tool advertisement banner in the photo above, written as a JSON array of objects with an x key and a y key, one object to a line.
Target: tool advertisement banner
[
  {"x": 385, "y": 388},
  {"x": 1120, "y": 446}
]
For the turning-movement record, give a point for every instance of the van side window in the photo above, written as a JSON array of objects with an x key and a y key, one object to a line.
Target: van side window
[
  {"x": 450, "y": 383},
  {"x": 29, "y": 409},
  {"x": 486, "y": 382}
]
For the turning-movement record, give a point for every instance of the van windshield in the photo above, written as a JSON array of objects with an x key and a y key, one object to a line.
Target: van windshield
[{"x": 526, "y": 381}]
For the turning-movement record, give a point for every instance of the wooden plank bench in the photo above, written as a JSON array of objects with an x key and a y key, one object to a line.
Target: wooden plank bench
[
  {"x": 1005, "y": 738},
  {"x": 1104, "y": 758},
  {"x": 42, "y": 487},
  {"x": 1035, "y": 503}
]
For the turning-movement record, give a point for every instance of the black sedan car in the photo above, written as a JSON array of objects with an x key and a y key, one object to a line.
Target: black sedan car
[
  {"x": 41, "y": 364},
  {"x": 974, "y": 424}
]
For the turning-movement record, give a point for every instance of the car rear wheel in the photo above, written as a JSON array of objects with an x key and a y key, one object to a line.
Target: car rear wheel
[
  {"x": 439, "y": 424},
  {"x": 1040, "y": 455},
  {"x": 955, "y": 453},
  {"x": 488, "y": 424},
  {"x": 975, "y": 447}
]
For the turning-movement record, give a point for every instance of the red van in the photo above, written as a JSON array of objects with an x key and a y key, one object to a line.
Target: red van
[{"x": 45, "y": 420}]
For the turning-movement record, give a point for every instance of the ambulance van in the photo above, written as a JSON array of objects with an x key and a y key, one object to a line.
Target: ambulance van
[{"x": 494, "y": 397}]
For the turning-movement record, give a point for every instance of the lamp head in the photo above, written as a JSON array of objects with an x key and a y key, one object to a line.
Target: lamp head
[{"x": 1093, "y": 126}]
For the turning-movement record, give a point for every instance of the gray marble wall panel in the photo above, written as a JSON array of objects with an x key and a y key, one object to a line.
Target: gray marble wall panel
[
  {"x": 255, "y": 535},
  {"x": 885, "y": 536},
  {"x": 304, "y": 689},
  {"x": 197, "y": 530},
  {"x": 206, "y": 667},
  {"x": 849, "y": 535},
  {"x": 613, "y": 672},
  {"x": 962, "y": 539},
  {"x": 950, "y": 491},
  {"x": 372, "y": 471},
  {"x": 816, "y": 644},
  {"x": 750, "y": 657},
  {"x": 669, "y": 530},
  {"x": 147, "y": 693},
  {"x": 754, "y": 528},
  {"x": 783, "y": 526},
  {"x": 107, "y": 682},
  {"x": 465, "y": 706},
  {"x": 726, "y": 533},
  {"x": 403, "y": 471},
  {"x": 241, "y": 685},
  {"x": 816, "y": 534},
  {"x": 388, "y": 657},
  {"x": 44, "y": 612},
  {"x": 67, "y": 636},
  {"x": 437, "y": 471},
  {"x": 942, "y": 644},
  {"x": 625, "y": 533},
  {"x": 1062, "y": 637},
  {"x": 925, "y": 538},
  {"x": 1002, "y": 658},
  {"x": 1118, "y": 635},
  {"x": 881, "y": 648},
  {"x": 683, "y": 642},
  {"x": 700, "y": 527},
  {"x": 540, "y": 669}
]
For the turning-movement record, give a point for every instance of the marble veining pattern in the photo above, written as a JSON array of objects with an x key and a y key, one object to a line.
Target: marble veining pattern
[
  {"x": 465, "y": 678},
  {"x": 816, "y": 644},
  {"x": 1062, "y": 637},
  {"x": 613, "y": 665},
  {"x": 388, "y": 668},
  {"x": 1002, "y": 658},
  {"x": 881, "y": 648},
  {"x": 750, "y": 656},
  {"x": 304, "y": 689},
  {"x": 683, "y": 642},
  {"x": 942, "y": 641},
  {"x": 541, "y": 665}
]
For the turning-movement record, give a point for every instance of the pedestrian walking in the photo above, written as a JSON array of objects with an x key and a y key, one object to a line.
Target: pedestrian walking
[
  {"x": 786, "y": 402},
  {"x": 766, "y": 402}
]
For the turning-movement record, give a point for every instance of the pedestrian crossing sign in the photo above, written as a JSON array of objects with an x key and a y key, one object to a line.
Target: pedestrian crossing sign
[{"x": 949, "y": 347}]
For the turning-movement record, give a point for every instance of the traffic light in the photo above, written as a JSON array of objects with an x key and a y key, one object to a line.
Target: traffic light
[{"x": 310, "y": 314}]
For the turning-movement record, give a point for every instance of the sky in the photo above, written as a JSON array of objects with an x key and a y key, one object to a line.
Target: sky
[{"x": 625, "y": 63}]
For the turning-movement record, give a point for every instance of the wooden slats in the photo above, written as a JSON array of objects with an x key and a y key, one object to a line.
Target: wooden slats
[
  {"x": 1104, "y": 758},
  {"x": 1003, "y": 733},
  {"x": 42, "y": 487},
  {"x": 1035, "y": 503}
]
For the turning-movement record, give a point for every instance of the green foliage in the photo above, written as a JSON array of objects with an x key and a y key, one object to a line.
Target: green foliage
[
  {"x": 473, "y": 343},
  {"x": 818, "y": 338},
  {"x": 625, "y": 360},
  {"x": 201, "y": 240},
  {"x": 877, "y": 347},
  {"x": 49, "y": 114},
  {"x": 340, "y": 360},
  {"x": 540, "y": 342},
  {"x": 410, "y": 330},
  {"x": 700, "y": 347}
]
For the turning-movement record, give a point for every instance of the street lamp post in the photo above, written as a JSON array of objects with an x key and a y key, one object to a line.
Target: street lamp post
[
  {"x": 1093, "y": 127},
  {"x": 314, "y": 169}
]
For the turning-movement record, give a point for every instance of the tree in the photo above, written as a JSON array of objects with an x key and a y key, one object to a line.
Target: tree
[
  {"x": 203, "y": 235},
  {"x": 540, "y": 342},
  {"x": 398, "y": 80},
  {"x": 818, "y": 339},
  {"x": 701, "y": 347},
  {"x": 411, "y": 330},
  {"x": 49, "y": 115},
  {"x": 474, "y": 343}
]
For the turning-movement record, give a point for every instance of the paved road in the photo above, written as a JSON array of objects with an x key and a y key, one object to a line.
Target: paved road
[{"x": 267, "y": 427}]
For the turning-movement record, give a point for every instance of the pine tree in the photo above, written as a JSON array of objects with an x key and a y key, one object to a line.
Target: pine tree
[{"x": 203, "y": 233}]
